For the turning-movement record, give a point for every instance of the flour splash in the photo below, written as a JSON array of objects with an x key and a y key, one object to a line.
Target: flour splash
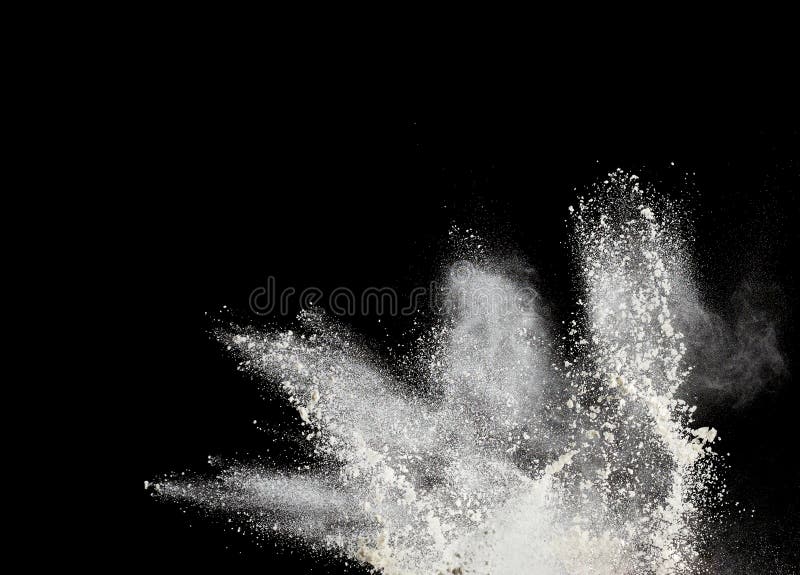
[{"x": 510, "y": 453}]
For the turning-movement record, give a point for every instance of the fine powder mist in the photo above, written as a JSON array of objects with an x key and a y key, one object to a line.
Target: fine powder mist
[{"x": 500, "y": 444}]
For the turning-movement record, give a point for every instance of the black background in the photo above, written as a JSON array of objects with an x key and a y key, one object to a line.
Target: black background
[{"x": 354, "y": 194}]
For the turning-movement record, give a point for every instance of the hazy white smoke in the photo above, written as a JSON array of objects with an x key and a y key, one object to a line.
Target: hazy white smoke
[{"x": 736, "y": 351}]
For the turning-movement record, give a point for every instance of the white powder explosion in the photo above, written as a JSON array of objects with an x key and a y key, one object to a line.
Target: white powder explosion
[{"x": 501, "y": 452}]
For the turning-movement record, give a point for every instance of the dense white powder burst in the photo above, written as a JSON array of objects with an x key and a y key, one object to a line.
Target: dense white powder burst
[{"x": 519, "y": 456}]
